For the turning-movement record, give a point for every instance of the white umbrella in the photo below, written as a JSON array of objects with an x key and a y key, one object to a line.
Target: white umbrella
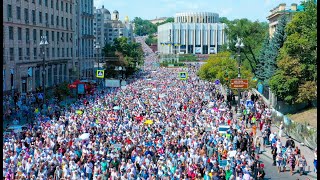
[
  {"x": 84, "y": 136},
  {"x": 116, "y": 108}
]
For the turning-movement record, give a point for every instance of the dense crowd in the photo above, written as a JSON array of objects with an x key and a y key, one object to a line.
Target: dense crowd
[{"x": 156, "y": 127}]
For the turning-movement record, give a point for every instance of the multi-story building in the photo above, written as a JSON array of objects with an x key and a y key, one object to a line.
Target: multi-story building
[
  {"x": 107, "y": 28},
  {"x": 193, "y": 32},
  {"x": 279, "y": 11},
  {"x": 24, "y": 22},
  {"x": 84, "y": 62}
]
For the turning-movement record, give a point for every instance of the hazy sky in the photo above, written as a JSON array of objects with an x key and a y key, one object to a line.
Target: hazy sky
[{"x": 232, "y": 9}]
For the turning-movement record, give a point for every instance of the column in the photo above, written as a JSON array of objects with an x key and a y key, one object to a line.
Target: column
[
  {"x": 194, "y": 39},
  {"x": 201, "y": 38},
  {"x": 216, "y": 39},
  {"x": 58, "y": 75},
  {"x": 208, "y": 37},
  {"x": 187, "y": 38}
]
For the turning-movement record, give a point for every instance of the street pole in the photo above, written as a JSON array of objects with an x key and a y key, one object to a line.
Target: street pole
[
  {"x": 239, "y": 45},
  {"x": 43, "y": 43},
  {"x": 97, "y": 48}
]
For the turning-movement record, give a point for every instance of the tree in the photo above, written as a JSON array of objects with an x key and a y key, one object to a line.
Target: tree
[
  {"x": 144, "y": 27},
  {"x": 223, "y": 67},
  {"x": 260, "y": 74},
  {"x": 252, "y": 33},
  {"x": 297, "y": 61},
  {"x": 272, "y": 51}
]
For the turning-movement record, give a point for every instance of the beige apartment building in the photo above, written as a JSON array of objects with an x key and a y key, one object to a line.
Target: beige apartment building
[
  {"x": 280, "y": 10},
  {"x": 24, "y": 22}
]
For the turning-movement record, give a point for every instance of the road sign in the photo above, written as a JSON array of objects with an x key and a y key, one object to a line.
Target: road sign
[
  {"x": 100, "y": 73},
  {"x": 217, "y": 81},
  {"x": 239, "y": 83},
  {"x": 249, "y": 103},
  {"x": 183, "y": 75}
]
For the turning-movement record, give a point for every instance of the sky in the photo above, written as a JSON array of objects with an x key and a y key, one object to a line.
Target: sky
[{"x": 232, "y": 9}]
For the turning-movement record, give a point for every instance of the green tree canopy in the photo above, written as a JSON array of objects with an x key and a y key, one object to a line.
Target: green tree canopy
[
  {"x": 223, "y": 67},
  {"x": 295, "y": 80},
  {"x": 252, "y": 33},
  {"x": 122, "y": 53},
  {"x": 144, "y": 27}
]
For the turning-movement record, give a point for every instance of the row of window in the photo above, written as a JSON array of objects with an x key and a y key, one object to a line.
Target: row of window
[
  {"x": 55, "y": 35},
  {"x": 58, "y": 20},
  {"x": 24, "y": 54},
  {"x": 67, "y": 8}
]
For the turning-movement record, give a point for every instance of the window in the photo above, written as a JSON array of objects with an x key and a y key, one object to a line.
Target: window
[
  {"x": 52, "y": 52},
  {"x": 58, "y": 34},
  {"x": 57, "y": 5},
  {"x": 46, "y": 3},
  {"x": 57, "y": 20},
  {"x": 47, "y": 18},
  {"x": 41, "y": 33},
  {"x": 61, "y": 5},
  {"x": 52, "y": 36},
  {"x": 11, "y": 54},
  {"x": 58, "y": 52},
  {"x": 67, "y": 52},
  {"x": 70, "y": 8},
  {"x": 35, "y": 53},
  {"x": 71, "y": 24},
  {"x": 19, "y": 33},
  {"x": 47, "y": 34},
  {"x": 33, "y": 16},
  {"x": 34, "y": 34},
  {"x": 40, "y": 17},
  {"x": 67, "y": 37},
  {"x": 40, "y": 2},
  {"x": 18, "y": 12},
  {"x": 71, "y": 52},
  {"x": 52, "y": 19},
  {"x": 27, "y": 34},
  {"x": 28, "y": 52},
  {"x": 62, "y": 24},
  {"x": 52, "y": 4},
  {"x": 11, "y": 33},
  {"x": 9, "y": 11},
  {"x": 62, "y": 36},
  {"x": 20, "y": 53},
  {"x": 66, "y": 7},
  {"x": 62, "y": 50},
  {"x": 26, "y": 14}
]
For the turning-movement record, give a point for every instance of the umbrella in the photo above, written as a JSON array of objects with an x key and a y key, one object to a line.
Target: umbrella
[
  {"x": 148, "y": 122},
  {"x": 116, "y": 107},
  {"x": 84, "y": 136}
]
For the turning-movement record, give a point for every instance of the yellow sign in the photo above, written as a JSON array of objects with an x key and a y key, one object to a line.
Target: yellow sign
[{"x": 100, "y": 73}]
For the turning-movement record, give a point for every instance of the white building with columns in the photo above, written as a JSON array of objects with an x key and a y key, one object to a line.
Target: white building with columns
[{"x": 192, "y": 33}]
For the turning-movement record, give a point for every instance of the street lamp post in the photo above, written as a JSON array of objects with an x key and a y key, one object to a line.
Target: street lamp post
[
  {"x": 239, "y": 45},
  {"x": 43, "y": 44},
  {"x": 98, "y": 48}
]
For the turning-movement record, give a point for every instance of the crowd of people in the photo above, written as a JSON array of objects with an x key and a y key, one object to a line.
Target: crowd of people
[{"x": 157, "y": 127}]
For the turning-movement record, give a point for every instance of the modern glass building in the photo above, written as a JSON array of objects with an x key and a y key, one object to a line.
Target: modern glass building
[{"x": 192, "y": 33}]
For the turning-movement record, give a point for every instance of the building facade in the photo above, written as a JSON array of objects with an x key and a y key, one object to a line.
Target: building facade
[
  {"x": 107, "y": 27},
  {"x": 279, "y": 11},
  {"x": 158, "y": 20},
  {"x": 192, "y": 33},
  {"x": 84, "y": 63},
  {"x": 24, "y": 22}
]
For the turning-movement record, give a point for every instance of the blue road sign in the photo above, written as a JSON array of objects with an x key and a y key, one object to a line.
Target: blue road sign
[{"x": 249, "y": 103}]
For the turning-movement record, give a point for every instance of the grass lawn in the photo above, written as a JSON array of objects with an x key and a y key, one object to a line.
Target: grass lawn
[{"x": 309, "y": 116}]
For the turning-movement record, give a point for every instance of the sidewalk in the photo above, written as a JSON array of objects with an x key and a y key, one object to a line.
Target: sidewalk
[{"x": 307, "y": 152}]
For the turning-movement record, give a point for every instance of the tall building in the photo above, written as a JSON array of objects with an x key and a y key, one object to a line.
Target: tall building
[
  {"x": 192, "y": 33},
  {"x": 107, "y": 27},
  {"x": 84, "y": 62},
  {"x": 280, "y": 10},
  {"x": 24, "y": 22}
]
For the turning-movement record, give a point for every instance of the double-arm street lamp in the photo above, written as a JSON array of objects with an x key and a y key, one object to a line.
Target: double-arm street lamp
[
  {"x": 239, "y": 45},
  {"x": 43, "y": 44}
]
